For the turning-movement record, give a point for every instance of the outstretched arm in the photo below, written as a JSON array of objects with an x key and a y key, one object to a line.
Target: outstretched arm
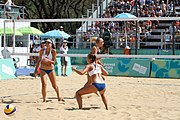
[{"x": 81, "y": 72}]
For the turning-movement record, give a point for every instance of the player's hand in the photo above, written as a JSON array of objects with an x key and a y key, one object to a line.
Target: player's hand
[{"x": 73, "y": 68}]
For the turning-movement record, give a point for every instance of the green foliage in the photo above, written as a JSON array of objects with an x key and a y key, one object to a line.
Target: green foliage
[{"x": 56, "y": 9}]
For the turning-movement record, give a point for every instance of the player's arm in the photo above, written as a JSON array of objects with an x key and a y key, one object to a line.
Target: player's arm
[
  {"x": 81, "y": 72},
  {"x": 40, "y": 58}
]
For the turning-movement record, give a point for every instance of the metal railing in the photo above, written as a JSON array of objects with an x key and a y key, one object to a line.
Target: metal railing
[
  {"x": 96, "y": 12},
  {"x": 119, "y": 41},
  {"x": 16, "y": 12}
]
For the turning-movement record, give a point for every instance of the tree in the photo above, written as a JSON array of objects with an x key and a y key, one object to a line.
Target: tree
[{"x": 56, "y": 9}]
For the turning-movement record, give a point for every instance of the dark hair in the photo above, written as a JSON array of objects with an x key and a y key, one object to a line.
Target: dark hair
[
  {"x": 53, "y": 46},
  {"x": 92, "y": 57}
]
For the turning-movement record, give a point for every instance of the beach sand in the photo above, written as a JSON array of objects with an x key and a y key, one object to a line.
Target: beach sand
[{"x": 129, "y": 98}]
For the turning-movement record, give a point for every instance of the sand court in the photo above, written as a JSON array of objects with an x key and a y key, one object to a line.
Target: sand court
[{"x": 128, "y": 98}]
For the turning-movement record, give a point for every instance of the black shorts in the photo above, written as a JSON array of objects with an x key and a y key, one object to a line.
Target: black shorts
[{"x": 63, "y": 62}]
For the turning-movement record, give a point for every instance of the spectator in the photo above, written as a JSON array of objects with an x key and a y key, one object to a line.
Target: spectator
[
  {"x": 170, "y": 7},
  {"x": 92, "y": 29},
  {"x": 8, "y": 6},
  {"x": 41, "y": 46},
  {"x": 85, "y": 39},
  {"x": 31, "y": 51},
  {"x": 147, "y": 34},
  {"x": 107, "y": 41},
  {"x": 61, "y": 28},
  {"x": 167, "y": 39},
  {"x": 64, "y": 59},
  {"x": 171, "y": 29},
  {"x": 146, "y": 13},
  {"x": 97, "y": 29},
  {"x": 163, "y": 5},
  {"x": 146, "y": 8},
  {"x": 36, "y": 48},
  {"x": 117, "y": 27},
  {"x": 158, "y": 11},
  {"x": 142, "y": 2}
]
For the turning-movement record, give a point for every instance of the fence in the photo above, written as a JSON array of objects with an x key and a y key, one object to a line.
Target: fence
[{"x": 16, "y": 12}]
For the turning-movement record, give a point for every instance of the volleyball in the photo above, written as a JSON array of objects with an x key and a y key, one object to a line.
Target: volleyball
[{"x": 9, "y": 110}]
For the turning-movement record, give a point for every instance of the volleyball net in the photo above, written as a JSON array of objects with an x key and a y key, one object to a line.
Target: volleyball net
[{"x": 162, "y": 42}]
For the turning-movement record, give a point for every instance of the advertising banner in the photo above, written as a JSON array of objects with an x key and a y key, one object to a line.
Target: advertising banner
[
  {"x": 127, "y": 67},
  {"x": 165, "y": 68},
  {"x": 7, "y": 69},
  {"x": 58, "y": 66}
]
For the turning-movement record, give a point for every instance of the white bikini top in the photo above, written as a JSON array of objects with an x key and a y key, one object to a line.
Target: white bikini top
[
  {"x": 47, "y": 56},
  {"x": 95, "y": 70}
]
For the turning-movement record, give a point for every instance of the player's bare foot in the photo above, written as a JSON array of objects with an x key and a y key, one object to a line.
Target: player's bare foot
[{"x": 61, "y": 99}]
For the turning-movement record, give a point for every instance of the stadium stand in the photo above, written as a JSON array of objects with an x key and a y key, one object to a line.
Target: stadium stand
[{"x": 151, "y": 32}]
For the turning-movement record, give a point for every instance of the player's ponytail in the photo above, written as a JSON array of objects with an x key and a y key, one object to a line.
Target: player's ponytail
[{"x": 92, "y": 57}]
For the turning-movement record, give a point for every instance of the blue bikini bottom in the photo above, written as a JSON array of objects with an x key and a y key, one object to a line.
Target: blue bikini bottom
[
  {"x": 99, "y": 86},
  {"x": 47, "y": 71}
]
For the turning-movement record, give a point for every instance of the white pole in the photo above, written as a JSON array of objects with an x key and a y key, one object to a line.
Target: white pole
[
  {"x": 162, "y": 43},
  {"x": 97, "y": 8},
  {"x": 97, "y": 3},
  {"x": 14, "y": 31},
  {"x": 87, "y": 22},
  {"x": 117, "y": 40},
  {"x": 126, "y": 34},
  {"x": 82, "y": 25},
  {"x": 138, "y": 40},
  {"x": 4, "y": 35},
  {"x": 92, "y": 12},
  {"x": 29, "y": 43}
]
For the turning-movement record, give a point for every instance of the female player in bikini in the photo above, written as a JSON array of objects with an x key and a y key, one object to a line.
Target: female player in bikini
[
  {"x": 97, "y": 83},
  {"x": 47, "y": 59}
]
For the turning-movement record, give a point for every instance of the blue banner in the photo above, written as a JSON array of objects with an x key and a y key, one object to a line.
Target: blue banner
[
  {"x": 7, "y": 69},
  {"x": 58, "y": 66},
  {"x": 127, "y": 67},
  {"x": 165, "y": 69}
]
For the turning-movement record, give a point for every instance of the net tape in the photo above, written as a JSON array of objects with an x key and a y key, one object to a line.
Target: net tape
[
  {"x": 95, "y": 19},
  {"x": 100, "y": 19},
  {"x": 107, "y": 56}
]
